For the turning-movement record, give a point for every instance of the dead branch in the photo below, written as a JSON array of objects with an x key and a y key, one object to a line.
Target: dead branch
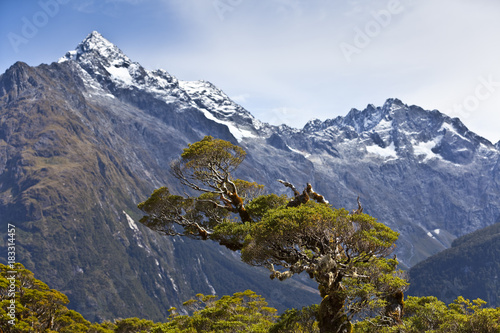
[
  {"x": 202, "y": 231},
  {"x": 302, "y": 198},
  {"x": 359, "y": 210},
  {"x": 287, "y": 184},
  {"x": 318, "y": 197}
]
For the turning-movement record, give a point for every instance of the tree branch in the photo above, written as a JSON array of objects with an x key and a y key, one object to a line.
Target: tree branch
[
  {"x": 289, "y": 185},
  {"x": 302, "y": 198},
  {"x": 318, "y": 197},
  {"x": 359, "y": 210}
]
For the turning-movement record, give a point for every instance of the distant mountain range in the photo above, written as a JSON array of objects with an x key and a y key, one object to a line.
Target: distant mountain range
[{"x": 84, "y": 139}]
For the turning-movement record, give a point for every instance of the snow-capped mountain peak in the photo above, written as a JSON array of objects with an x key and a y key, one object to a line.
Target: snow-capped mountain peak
[
  {"x": 95, "y": 45},
  {"x": 393, "y": 104},
  {"x": 109, "y": 72},
  {"x": 392, "y": 131},
  {"x": 103, "y": 61}
]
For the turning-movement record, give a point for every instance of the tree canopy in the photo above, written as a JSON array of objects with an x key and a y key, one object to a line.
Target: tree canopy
[
  {"x": 242, "y": 312},
  {"x": 345, "y": 253},
  {"x": 37, "y": 307}
]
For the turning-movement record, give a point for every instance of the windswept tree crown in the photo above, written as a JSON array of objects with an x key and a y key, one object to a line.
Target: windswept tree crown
[{"x": 344, "y": 252}]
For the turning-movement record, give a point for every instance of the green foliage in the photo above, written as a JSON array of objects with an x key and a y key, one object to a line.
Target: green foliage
[
  {"x": 105, "y": 327},
  {"x": 231, "y": 232},
  {"x": 205, "y": 166},
  {"x": 428, "y": 314},
  {"x": 133, "y": 325},
  {"x": 70, "y": 321},
  {"x": 201, "y": 155},
  {"x": 344, "y": 253},
  {"x": 37, "y": 307},
  {"x": 248, "y": 190},
  {"x": 208, "y": 162},
  {"x": 41, "y": 309},
  {"x": 163, "y": 209},
  {"x": 297, "y": 321},
  {"x": 313, "y": 227},
  {"x": 425, "y": 313},
  {"x": 242, "y": 312},
  {"x": 262, "y": 204},
  {"x": 470, "y": 316}
]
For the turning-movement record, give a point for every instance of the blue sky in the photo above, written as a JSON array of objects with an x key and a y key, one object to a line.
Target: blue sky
[{"x": 288, "y": 61}]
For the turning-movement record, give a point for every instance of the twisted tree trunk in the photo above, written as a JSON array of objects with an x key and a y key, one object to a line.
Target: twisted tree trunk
[{"x": 331, "y": 315}]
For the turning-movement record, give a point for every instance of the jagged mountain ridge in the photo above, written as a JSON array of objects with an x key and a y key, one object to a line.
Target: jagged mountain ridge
[
  {"x": 420, "y": 172},
  {"x": 110, "y": 72},
  {"x": 396, "y": 130}
]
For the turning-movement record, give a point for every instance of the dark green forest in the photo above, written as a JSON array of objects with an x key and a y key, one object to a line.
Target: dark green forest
[{"x": 470, "y": 268}]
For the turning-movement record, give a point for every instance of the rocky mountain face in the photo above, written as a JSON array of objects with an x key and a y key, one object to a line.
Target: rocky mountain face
[{"x": 83, "y": 140}]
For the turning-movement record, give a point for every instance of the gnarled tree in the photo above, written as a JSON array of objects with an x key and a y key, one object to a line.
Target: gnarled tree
[{"x": 346, "y": 254}]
